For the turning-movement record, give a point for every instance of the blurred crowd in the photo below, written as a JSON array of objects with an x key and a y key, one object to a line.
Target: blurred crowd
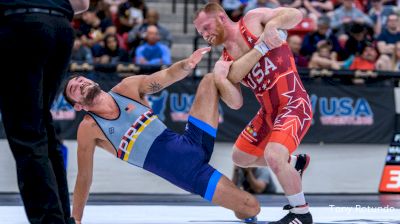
[
  {"x": 115, "y": 31},
  {"x": 338, "y": 34},
  {"x": 334, "y": 34}
]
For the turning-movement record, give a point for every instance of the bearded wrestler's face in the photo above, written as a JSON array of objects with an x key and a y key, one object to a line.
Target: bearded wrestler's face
[
  {"x": 210, "y": 27},
  {"x": 82, "y": 90}
]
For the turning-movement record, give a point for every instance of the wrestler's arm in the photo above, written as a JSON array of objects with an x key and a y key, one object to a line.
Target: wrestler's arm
[
  {"x": 148, "y": 84},
  {"x": 268, "y": 20},
  {"x": 272, "y": 20},
  {"x": 86, "y": 147},
  {"x": 243, "y": 65},
  {"x": 229, "y": 92}
]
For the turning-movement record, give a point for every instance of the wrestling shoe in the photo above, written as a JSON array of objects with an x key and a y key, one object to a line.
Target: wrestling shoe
[
  {"x": 295, "y": 218},
  {"x": 251, "y": 220},
  {"x": 302, "y": 163}
]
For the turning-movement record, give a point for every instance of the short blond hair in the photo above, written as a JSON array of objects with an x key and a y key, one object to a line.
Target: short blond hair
[{"x": 211, "y": 7}]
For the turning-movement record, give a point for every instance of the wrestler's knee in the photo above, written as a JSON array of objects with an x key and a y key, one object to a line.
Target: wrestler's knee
[
  {"x": 241, "y": 158},
  {"x": 276, "y": 156}
]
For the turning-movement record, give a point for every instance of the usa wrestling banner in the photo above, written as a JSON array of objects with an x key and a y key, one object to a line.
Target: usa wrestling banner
[
  {"x": 342, "y": 113},
  {"x": 351, "y": 113}
]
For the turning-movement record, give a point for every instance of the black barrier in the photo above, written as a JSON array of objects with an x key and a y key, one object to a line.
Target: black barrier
[{"x": 342, "y": 113}]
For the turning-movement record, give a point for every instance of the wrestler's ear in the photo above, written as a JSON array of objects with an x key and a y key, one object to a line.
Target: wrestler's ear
[{"x": 222, "y": 17}]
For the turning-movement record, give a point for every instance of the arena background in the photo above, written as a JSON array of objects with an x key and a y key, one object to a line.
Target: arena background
[{"x": 348, "y": 142}]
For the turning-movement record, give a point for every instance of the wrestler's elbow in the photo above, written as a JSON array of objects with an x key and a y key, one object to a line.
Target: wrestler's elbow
[
  {"x": 297, "y": 15},
  {"x": 234, "y": 79},
  {"x": 236, "y": 104}
]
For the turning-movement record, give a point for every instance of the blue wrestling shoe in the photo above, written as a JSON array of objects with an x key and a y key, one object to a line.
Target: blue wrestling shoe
[{"x": 251, "y": 220}]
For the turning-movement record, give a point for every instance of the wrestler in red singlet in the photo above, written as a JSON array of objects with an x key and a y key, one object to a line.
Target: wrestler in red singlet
[{"x": 285, "y": 114}]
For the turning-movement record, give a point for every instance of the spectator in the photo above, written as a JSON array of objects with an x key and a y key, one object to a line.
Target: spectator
[
  {"x": 114, "y": 4},
  {"x": 234, "y": 8},
  {"x": 257, "y": 180},
  {"x": 396, "y": 58},
  {"x": 81, "y": 53},
  {"x": 93, "y": 27},
  {"x": 357, "y": 41},
  {"x": 152, "y": 52},
  {"x": 112, "y": 53},
  {"x": 253, "y": 4},
  {"x": 122, "y": 39},
  {"x": 365, "y": 61},
  {"x": 130, "y": 15},
  {"x": 347, "y": 14},
  {"x": 294, "y": 43},
  {"x": 390, "y": 62},
  {"x": 292, "y": 4},
  {"x": 390, "y": 35},
  {"x": 324, "y": 57},
  {"x": 323, "y": 32},
  {"x": 317, "y": 8},
  {"x": 379, "y": 14},
  {"x": 136, "y": 35}
]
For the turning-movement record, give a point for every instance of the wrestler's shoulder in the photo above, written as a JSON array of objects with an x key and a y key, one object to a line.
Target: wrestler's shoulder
[{"x": 88, "y": 123}]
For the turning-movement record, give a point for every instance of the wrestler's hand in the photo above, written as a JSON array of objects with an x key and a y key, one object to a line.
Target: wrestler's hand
[
  {"x": 272, "y": 37},
  {"x": 196, "y": 57},
  {"x": 221, "y": 68}
]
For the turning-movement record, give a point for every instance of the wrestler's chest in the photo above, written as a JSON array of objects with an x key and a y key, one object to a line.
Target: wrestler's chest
[{"x": 262, "y": 74}]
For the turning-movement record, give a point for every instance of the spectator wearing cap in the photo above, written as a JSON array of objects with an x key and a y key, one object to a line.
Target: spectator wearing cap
[
  {"x": 152, "y": 52},
  {"x": 347, "y": 14},
  {"x": 379, "y": 14},
  {"x": 137, "y": 34},
  {"x": 323, "y": 32},
  {"x": 390, "y": 35},
  {"x": 358, "y": 39},
  {"x": 294, "y": 42}
]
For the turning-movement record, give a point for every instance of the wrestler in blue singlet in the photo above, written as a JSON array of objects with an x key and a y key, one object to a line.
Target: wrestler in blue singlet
[{"x": 141, "y": 139}]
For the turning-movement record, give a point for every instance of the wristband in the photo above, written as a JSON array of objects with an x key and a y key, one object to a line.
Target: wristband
[{"x": 262, "y": 48}]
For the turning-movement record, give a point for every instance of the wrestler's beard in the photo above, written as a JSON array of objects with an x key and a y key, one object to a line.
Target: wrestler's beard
[
  {"x": 219, "y": 38},
  {"x": 92, "y": 92}
]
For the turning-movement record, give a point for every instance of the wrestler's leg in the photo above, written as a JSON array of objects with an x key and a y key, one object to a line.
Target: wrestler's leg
[
  {"x": 229, "y": 196},
  {"x": 205, "y": 108},
  {"x": 205, "y": 104},
  {"x": 277, "y": 156}
]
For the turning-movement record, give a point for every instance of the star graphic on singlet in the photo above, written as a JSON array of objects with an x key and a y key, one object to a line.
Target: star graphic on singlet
[
  {"x": 264, "y": 86},
  {"x": 299, "y": 113},
  {"x": 293, "y": 94},
  {"x": 279, "y": 60},
  {"x": 250, "y": 39}
]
